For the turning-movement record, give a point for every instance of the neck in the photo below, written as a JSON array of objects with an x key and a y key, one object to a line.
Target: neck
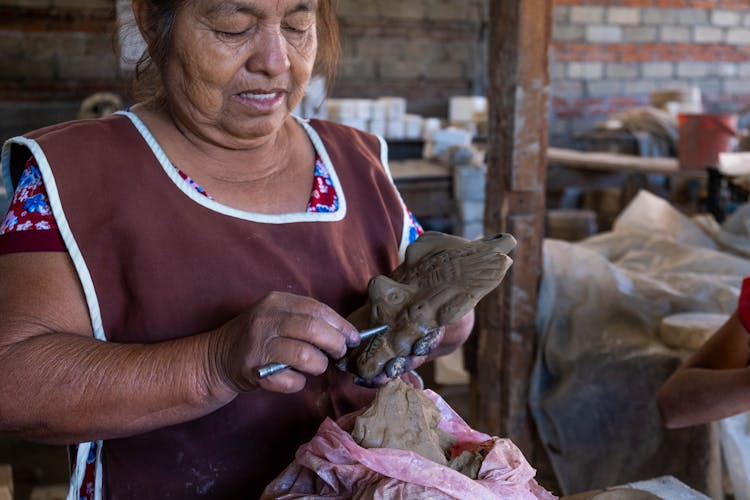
[
  {"x": 256, "y": 160},
  {"x": 274, "y": 174}
]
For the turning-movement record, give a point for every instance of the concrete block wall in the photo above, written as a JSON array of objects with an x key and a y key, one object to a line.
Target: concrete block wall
[
  {"x": 54, "y": 54},
  {"x": 423, "y": 50},
  {"x": 469, "y": 192},
  {"x": 606, "y": 55},
  {"x": 609, "y": 55},
  {"x": 57, "y": 52}
]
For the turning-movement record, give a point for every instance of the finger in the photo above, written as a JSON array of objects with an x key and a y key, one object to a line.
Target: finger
[
  {"x": 393, "y": 368},
  {"x": 397, "y": 366},
  {"x": 287, "y": 382},
  {"x": 315, "y": 332},
  {"x": 373, "y": 382},
  {"x": 297, "y": 305},
  {"x": 298, "y": 355},
  {"x": 426, "y": 344}
]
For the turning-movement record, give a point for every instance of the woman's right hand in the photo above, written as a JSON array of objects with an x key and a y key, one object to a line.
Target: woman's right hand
[{"x": 285, "y": 328}]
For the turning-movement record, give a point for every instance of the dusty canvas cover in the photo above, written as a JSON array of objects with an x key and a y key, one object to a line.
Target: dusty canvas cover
[{"x": 600, "y": 359}]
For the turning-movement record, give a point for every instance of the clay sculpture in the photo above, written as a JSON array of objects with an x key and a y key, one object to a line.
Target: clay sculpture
[
  {"x": 404, "y": 418},
  {"x": 442, "y": 279}
]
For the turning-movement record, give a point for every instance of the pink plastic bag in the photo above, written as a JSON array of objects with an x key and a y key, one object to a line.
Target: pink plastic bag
[{"x": 333, "y": 465}]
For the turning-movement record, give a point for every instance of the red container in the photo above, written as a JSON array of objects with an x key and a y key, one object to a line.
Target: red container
[{"x": 702, "y": 137}]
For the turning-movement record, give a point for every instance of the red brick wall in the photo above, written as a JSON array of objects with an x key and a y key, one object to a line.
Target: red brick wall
[
  {"x": 677, "y": 4},
  {"x": 609, "y": 55}
]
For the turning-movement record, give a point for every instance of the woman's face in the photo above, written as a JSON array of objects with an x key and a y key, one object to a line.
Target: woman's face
[{"x": 238, "y": 68}]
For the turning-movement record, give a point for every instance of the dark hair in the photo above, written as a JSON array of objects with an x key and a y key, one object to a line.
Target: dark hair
[{"x": 147, "y": 82}]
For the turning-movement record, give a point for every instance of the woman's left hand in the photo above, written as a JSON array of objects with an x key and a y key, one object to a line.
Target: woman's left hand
[{"x": 438, "y": 342}]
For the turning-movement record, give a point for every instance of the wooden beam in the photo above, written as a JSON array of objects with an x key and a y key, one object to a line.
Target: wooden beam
[
  {"x": 6, "y": 482},
  {"x": 518, "y": 89},
  {"x": 617, "y": 163}
]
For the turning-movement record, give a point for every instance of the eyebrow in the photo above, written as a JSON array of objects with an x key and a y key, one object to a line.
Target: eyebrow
[{"x": 228, "y": 8}]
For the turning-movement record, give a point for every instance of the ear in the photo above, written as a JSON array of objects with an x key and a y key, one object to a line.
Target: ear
[{"x": 142, "y": 13}]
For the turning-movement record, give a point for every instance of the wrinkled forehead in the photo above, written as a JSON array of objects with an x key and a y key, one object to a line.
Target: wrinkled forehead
[{"x": 257, "y": 8}]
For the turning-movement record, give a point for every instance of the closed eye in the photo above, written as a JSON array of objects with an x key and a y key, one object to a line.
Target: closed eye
[
  {"x": 230, "y": 34},
  {"x": 293, "y": 29}
]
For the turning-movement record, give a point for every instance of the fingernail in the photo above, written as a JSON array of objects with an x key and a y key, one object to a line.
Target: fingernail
[
  {"x": 395, "y": 367},
  {"x": 353, "y": 340},
  {"x": 352, "y": 343},
  {"x": 422, "y": 347}
]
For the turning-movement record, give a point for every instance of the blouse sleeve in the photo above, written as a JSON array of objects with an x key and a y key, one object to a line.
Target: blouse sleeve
[
  {"x": 415, "y": 229},
  {"x": 29, "y": 225},
  {"x": 743, "y": 305}
]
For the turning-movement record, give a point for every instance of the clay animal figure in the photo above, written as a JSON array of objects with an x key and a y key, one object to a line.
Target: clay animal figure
[{"x": 442, "y": 279}]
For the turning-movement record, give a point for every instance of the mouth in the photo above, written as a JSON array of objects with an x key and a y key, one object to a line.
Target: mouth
[
  {"x": 261, "y": 101},
  {"x": 261, "y": 95}
]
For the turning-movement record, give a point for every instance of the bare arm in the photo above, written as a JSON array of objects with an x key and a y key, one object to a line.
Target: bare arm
[
  {"x": 65, "y": 386},
  {"x": 60, "y": 385},
  {"x": 712, "y": 384}
]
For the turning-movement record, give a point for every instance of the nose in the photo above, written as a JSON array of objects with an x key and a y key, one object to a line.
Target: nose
[{"x": 269, "y": 53}]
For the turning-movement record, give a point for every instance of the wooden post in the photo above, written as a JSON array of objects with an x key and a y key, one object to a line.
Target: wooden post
[
  {"x": 6, "y": 482},
  {"x": 518, "y": 77}
]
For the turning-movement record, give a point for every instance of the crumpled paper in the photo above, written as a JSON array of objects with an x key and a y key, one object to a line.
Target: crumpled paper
[{"x": 332, "y": 465}]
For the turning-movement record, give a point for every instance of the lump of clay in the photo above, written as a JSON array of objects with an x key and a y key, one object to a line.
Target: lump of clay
[
  {"x": 442, "y": 279},
  {"x": 402, "y": 417}
]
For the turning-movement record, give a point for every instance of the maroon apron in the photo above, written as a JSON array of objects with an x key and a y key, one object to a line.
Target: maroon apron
[{"x": 164, "y": 266}]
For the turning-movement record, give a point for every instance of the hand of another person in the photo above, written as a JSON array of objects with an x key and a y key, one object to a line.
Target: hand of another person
[{"x": 297, "y": 331}]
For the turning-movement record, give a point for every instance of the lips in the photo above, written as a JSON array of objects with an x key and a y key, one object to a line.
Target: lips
[
  {"x": 262, "y": 100},
  {"x": 261, "y": 95}
]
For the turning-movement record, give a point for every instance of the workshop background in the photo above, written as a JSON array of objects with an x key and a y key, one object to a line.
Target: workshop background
[
  {"x": 606, "y": 58},
  {"x": 606, "y": 55}
]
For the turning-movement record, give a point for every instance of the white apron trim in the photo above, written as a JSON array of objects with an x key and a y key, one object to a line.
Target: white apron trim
[
  {"x": 99, "y": 471},
  {"x": 407, "y": 226},
  {"x": 57, "y": 211},
  {"x": 214, "y": 205}
]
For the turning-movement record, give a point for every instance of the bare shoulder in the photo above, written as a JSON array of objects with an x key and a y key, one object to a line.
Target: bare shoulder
[{"x": 40, "y": 293}]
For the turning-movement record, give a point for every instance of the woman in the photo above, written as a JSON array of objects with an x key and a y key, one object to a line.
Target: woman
[
  {"x": 189, "y": 251},
  {"x": 713, "y": 383}
]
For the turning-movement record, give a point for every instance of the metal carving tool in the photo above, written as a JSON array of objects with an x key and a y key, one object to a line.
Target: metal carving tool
[{"x": 270, "y": 368}]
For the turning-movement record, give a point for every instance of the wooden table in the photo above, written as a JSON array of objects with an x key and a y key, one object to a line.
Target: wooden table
[{"x": 427, "y": 189}]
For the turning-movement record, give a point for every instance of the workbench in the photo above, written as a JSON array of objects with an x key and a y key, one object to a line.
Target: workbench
[
  {"x": 427, "y": 186},
  {"x": 591, "y": 174}
]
